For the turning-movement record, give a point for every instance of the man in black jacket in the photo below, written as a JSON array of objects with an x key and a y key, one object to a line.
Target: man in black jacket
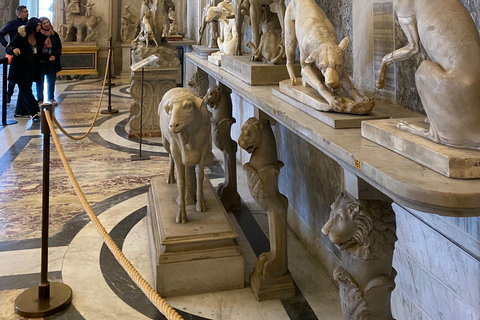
[{"x": 11, "y": 28}]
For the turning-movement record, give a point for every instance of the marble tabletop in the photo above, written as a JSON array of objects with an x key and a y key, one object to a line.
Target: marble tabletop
[{"x": 404, "y": 181}]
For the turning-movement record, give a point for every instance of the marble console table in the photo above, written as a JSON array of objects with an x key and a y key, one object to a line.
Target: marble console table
[{"x": 404, "y": 181}]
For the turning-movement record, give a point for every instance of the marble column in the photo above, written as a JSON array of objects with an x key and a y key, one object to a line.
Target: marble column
[
  {"x": 157, "y": 81},
  {"x": 362, "y": 224}
]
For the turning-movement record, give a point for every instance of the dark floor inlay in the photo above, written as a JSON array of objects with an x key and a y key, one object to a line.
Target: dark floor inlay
[{"x": 119, "y": 281}]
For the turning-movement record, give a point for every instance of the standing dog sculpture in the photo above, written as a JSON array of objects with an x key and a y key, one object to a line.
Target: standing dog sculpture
[
  {"x": 449, "y": 84},
  {"x": 185, "y": 126},
  {"x": 254, "y": 7},
  {"x": 321, "y": 57}
]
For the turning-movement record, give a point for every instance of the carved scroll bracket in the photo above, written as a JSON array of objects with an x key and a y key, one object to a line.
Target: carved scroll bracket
[{"x": 362, "y": 225}]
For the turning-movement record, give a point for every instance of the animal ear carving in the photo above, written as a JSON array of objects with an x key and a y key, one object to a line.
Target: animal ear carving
[
  {"x": 353, "y": 209},
  {"x": 344, "y": 43},
  {"x": 167, "y": 108},
  {"x": 258, "y": 125}
]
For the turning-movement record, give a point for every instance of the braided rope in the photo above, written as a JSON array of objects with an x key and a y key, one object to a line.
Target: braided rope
[
  {"x": 147, "y": 289},
  {"x": 97, "y": 112}
]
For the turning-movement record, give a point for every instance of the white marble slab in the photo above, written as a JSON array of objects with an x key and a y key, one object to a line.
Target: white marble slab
[
  {"x": 312, "y": 106},
  {"x": 255, "y": 73},
  {"x": 451, "y": 162}
]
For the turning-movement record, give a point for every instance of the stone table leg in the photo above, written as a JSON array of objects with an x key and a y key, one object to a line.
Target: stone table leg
[
  {"x": 220, "y": 105},
  {"x": 362, "y": 225}
]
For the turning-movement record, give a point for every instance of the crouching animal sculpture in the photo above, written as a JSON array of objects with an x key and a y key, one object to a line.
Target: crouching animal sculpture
[
  {"x": 271, "y": 49},
  {"x": 365, "y": 231},
  {"x": 321, "y": 57},
  {"x": 262, "y": 176},
  {"x": 449, "y": 84},
  {"x": 185, "y": 126}
]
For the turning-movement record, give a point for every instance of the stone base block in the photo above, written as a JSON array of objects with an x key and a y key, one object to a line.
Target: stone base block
[
  {"x": 199, "y": 256},
  {"x": 255, "y": 73},
  {"x": 203, "y": 52},
  {"x": 275, "y": 288},
  {"x": 448, "y": 161},
  {"x": 215, "y": 59},
  {"x": 308, "y": 100}
]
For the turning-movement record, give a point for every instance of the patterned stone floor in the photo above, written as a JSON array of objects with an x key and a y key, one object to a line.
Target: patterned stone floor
[{"x": 116, "y": 189}]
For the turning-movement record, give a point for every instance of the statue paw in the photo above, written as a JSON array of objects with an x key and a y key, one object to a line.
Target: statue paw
[
  {"x": 181, "y": 216},
  {"x": 293, "y": 81},
  {"x": 201, "y": 207}
]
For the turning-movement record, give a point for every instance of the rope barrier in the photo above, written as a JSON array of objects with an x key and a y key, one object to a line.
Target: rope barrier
[
  {"x": 97, "y": 112},
  {"x": 146, "y": 288}
]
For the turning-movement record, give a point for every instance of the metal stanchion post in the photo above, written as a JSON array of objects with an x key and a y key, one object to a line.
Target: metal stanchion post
[
  {"x": 5, "y": 122},
  {"x": 109, "y": 109},
  {"x": 134, "y": 157},
  {"x": 48, "y": 297}
]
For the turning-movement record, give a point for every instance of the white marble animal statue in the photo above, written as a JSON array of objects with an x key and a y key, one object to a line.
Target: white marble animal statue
[
  {"x": 321, "y": 57},
  {"x": 186, "y": 132},
  {"x": 271, "y": 49},
  {"x": 146, "y": 34},
  {"x": 254, "y": 7},
  {"x": 74, "y": 20},
  {"x": 448, "y": 83},
  {"x": 223, "y": 12}
]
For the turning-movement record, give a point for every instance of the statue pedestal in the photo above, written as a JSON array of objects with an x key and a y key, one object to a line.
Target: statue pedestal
[
  {"x": 126, "y": 59},
  {"x": 449, "y": 161},
  {"x": 199, "y": 256},
  {"x": 308, "y": 100},
  {"x": 255, "y": 73},
  {"x": 216, "y": 59},
  {"x": 156, "y": 82},
  {"x": 273, "y": 288},
  {"x": 203, "y": 52}
]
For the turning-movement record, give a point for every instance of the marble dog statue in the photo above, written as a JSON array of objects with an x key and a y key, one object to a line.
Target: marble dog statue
[
  {"x": 254, "y": 7},
  {"x": 448, "y": 83},
  {"x": 185, "y": 127},
  {"x": 262, "y": 176},
  {"x": 321, "y": 57},
  {"x": 271, "y": 49}
]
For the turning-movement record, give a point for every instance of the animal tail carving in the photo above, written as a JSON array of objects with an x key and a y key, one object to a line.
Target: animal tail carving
[
  {"x": 281, "y": 54},
  {"x": 252, "y": 46}
]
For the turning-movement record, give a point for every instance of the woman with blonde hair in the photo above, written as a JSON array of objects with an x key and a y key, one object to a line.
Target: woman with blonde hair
[{"x": 50, "y": 61}]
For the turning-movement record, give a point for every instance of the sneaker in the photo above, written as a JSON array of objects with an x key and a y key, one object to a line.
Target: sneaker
[
  {"x": 21, "y": 115},
  {"x": 35, "y": 117},
  {"x": 53, "y": 102}
]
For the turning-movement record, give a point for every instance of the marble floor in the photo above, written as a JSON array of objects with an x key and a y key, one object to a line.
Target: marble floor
[{"x": 116, "y": 188}]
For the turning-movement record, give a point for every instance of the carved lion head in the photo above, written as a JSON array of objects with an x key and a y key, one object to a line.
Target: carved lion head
[{"x": 365, "y": 229}]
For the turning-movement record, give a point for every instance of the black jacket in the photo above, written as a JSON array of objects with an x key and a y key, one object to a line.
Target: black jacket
[
  {"x": 21, "y": 69},
  {"x": 11, "y": 28},
  {"x": 56, "y": 51}
]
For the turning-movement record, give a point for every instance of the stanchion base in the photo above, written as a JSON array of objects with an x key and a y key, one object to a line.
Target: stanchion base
[
  {"x": 29, "y": 305},
  {"x": 136, "y": 157},
  {"x": 111, "y": 111},
  {"x": 9, "y": 122}
]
